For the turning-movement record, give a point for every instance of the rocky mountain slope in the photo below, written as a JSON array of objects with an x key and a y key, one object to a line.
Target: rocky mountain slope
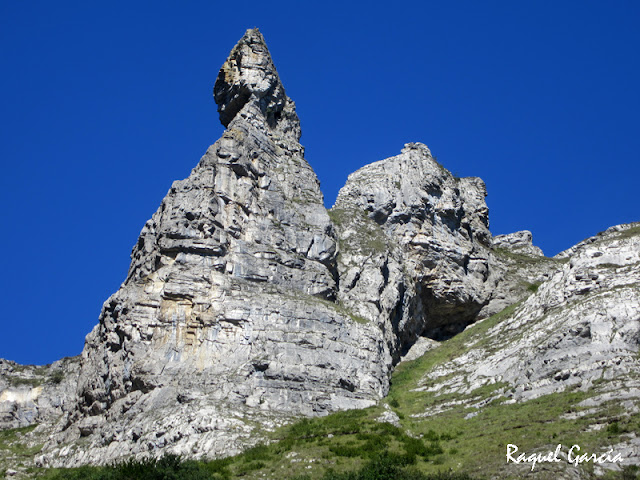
[
  {"x": 227, "y": 317},
  {"x": 247, "y": 305}
]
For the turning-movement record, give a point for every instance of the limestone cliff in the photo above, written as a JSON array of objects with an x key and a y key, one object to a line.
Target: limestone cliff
[
  {"x": 248, "y": 305},
  {"x": 415, "y": 246},
  {"x": 226, "y": 318},
  {"x": 36, "y": 394},
  {"x": 241, "y": 309}
]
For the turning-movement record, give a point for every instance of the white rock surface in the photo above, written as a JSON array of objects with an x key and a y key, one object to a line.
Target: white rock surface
[
  {"x": 35, "y": 394},
  {"x": 518, "y": 242}
]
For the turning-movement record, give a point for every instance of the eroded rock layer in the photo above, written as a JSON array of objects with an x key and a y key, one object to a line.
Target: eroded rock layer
[{"x": 36, "y": 394}]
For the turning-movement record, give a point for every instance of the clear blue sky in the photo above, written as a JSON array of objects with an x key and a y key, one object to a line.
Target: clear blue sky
[{"x": 104, "y": 104}]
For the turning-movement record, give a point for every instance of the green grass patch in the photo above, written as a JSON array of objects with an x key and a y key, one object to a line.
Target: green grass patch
[
  {"x": 384, "y": 466},
  {"x": 13, "y": 446},
  {"x": 7, "y": 437},
  {"x": 56, "y": 377},
  {"x": 408, "y": 375},
  {"x": 521, "y": 259},
  {"x": 608, "y": 265},
  {"x": 169, "y": 467},
  {"x": 20, "y": 381},
  {"x": 533, "y": 287},
  {"x": 388, "y": 466},
  {"x": 628, "y": 233},
  {"x": 369, "y": 238}
]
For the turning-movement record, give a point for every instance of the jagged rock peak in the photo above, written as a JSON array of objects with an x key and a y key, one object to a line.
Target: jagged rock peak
[
  {"x": 248, "y": 80},
  {"x": 417, "y": 146},
  {"x": 434, "y": 277}
]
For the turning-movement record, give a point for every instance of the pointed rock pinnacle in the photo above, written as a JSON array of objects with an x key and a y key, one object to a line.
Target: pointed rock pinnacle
[{"x": 249, "y": 79}]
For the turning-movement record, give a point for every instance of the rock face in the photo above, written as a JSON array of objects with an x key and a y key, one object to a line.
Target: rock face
[
  {"x": 246, "y": 305},
  {"x": 518, "y": 268},
  {"x": 583, "y": 323},
  {"x": 226, "y": 317},
  {"x": 415, "y": 246},
  {"x": 518, "y": 242}
]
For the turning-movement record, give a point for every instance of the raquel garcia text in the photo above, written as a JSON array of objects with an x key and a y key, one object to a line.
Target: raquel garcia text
[{"x": 574, "y": 455}]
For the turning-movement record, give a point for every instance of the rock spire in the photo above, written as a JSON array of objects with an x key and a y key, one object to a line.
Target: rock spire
[
  {"x": 227, "y": 317},
  {"x": 248, "y": 83}
]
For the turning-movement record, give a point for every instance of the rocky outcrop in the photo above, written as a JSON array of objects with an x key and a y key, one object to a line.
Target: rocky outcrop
[
  {"x": 35, "y": 394},
  {"x": 574, "y": 338},
  {"x": 583, "y": 323},
  {"x": 415, "y": 246},
  {"x": 518, "y": 267},
  {"x": 578, "y": 331},
  {"x": 518, "y": 242},
  {"x": 226, "y": 323},
  {"x": 247, "y": 304}
]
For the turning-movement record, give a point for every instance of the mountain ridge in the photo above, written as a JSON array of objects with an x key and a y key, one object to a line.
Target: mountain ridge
[{"x": 248, "y": 305}]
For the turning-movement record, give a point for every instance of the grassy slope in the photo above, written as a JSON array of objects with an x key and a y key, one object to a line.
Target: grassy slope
[{"x": 15, "y": 450}]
